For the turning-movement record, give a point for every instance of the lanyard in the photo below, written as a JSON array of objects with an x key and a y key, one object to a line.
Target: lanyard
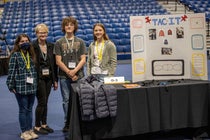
[
  {"x": 99, "y": 52},
  {"x": 27, "y": 61},
  {"x": 44, "y": 56},
  {"x": 72, "y": 43}
]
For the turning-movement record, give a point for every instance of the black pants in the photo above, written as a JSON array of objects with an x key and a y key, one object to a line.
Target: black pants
[{"x": 43, "y": 92}]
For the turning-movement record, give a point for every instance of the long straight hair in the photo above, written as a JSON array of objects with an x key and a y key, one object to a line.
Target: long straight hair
[
  {"x": 105, "y": 36},
  {"x": 16, "y": 47}
]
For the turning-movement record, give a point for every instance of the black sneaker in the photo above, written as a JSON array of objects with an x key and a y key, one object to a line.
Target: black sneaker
[
  {"x": 41, "y": 131},
  {"x": 66, "y": 129},
  {"x": 48, "y": 129}
]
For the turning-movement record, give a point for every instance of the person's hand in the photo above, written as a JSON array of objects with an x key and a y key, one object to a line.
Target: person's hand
[
  {"x": 74, "y": 78},
  {"x": 13, "y": 91},
  {"x": 71, "y": 73},
  {"x": 55, "y": 85}
]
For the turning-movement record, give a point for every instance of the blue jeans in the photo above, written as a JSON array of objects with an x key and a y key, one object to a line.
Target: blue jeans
[
  {"x": 65, "y": 86},
  {"x": 25, "y": 103}
]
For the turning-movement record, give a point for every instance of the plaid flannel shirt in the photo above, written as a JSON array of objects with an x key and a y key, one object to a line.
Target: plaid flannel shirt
[{"x": 18, "y": 74}]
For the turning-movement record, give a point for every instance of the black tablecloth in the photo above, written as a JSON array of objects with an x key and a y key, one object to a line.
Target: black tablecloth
[
  {"x": 147, "y": 109},
  {"x": 3, "y": 66}
]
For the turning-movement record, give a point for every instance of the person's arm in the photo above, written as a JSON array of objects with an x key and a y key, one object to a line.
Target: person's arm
[
  {"x": 55, "y": 74},
  {"x": 58, "y": 58},
  {"x": 113, "y": 60},
  {"x": 61, "y": 65},
  {"x": 11, "y": 74},
  {"x": 89, "y": 61},
  {"x": 55, "y": 84},
  {"x": 82, "y": 61},
  {"x": 54, "y": 67},
  {"x": 79, "y": 66}
]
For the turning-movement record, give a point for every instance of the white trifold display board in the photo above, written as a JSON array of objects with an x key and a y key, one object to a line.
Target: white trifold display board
[{"x": 165, "y": 47}]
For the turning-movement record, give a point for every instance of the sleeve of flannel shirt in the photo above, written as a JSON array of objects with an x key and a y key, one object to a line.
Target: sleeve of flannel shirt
[{"x": 11, "y": 72}]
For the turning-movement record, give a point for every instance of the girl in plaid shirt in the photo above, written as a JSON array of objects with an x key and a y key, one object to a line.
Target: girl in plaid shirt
[{"x": 22, "y": 81}]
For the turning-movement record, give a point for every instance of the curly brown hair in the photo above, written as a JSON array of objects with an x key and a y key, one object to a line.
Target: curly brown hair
[{"x": 68, "y": 20}]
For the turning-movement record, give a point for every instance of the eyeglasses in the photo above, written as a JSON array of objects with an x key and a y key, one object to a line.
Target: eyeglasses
[{"x": 42, "y": 33}]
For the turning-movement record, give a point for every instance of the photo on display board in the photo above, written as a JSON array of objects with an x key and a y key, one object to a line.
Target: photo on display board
[
  {"x": 152, "y": 34},
  {"x": 166, "y": 51},
  {"x": 179, "y": 32}
]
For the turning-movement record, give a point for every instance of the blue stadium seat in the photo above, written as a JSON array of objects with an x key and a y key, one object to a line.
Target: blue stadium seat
[
  {"x": 89, "y": 36},
  {"x": 112, "y": 36},
  {"x": 50, "y": 39},
  {"x": 109, "y": 30},
  {"x": 108, "y": 25},
  {"x": 49, "y": 24},
  {"x": 20, "y": 25},
  {"x": 31, "y": 34},
  {"x": 28, "y": 29},
  {"x": 57, "y": 37},
  {"x": 119, "y": 48},
  {"x": 58, "y": 33},
  {"x": 11, "y": 31},
  {"x": 56, "y": 27},
  {"x": 121, "y": 35},
  {"x": 119, "y": 30},
  {"x": 29, "y": 24},
  {"x": 125, "y": 41},
  {"x": 47, "y": 18},
  {"x": 93, "y": 16},
  {"x": 10, "y": 41},
  {"x": 83, "y": 17},
  {"x": 93, "y": 21},
  {"x": 127, "y": 49},
  {"x": 82, "y": 37},
  {"x": 127, "y": 29},
  {"x": 87, "y": 26},
  {"x": 84, "y": 21},
  {"x": 116, "y": 41},
  {"x": 56, "y": 18},
  {"x": 88, "y": 31},
  {"x": 3, "y": 49},
  {"x": 80, "y": 32},
  {"x": 56, "y": 22},
  {"x": 27, "y": 14},
  {"x": 88, "y": 42},
  {"x": 117, "y": 25},
  {"x": 115, "y": 20}
]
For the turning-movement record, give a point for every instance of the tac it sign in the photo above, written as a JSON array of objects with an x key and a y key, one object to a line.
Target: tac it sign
[
  {"x": 161, "y": 21},
  {"x": 168, "y": 47}
]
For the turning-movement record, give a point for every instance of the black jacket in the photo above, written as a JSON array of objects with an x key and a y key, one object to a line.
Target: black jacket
[
  {"x": 97, "y": 100},
  {"x": 50, "y": 57}
]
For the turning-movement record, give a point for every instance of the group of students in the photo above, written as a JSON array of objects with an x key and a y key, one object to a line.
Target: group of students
[{"x": 35, "y": 67}]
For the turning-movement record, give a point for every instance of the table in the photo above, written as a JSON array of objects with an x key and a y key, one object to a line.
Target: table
[
  {"x": 4, "y": 66},
  {"x": 147, "y": 109}
]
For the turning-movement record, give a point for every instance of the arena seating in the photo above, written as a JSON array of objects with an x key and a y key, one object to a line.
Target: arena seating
[
  {"x": 22, "y": 17},
  {"x": 198, "y": 6}
]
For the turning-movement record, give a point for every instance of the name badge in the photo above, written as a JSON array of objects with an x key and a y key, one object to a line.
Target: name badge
[
  {"x": 72, "y": 64},
  {"x": 29, "y": 80},
  {"x": 45, "y": 71}
]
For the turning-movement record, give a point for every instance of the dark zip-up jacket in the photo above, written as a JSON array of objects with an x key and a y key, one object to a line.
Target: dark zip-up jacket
[
  {"x": 51, "y": 63},
  {"x": 97, "y": 100}
]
